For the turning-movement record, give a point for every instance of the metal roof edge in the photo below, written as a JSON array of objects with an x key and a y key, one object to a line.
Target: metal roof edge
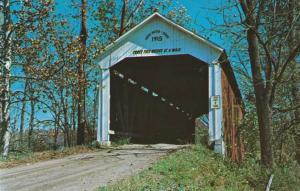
[{"x": 226, "y": 64}]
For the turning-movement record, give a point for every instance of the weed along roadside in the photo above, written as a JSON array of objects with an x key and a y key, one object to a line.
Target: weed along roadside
[
  {"x": 26, "y": 157},
  {"x": 198, "y": 168}
]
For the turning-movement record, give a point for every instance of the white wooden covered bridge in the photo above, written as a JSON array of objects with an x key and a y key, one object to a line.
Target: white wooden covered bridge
[{"x": 158, "y": 78}]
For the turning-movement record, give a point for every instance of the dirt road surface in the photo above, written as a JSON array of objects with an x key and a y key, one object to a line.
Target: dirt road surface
[{"x": 83, "y": 172}]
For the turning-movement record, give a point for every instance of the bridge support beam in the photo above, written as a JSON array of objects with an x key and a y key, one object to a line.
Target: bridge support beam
[
  {"x": 215, "y": 107},
  {"x": 104, "y": 108}
]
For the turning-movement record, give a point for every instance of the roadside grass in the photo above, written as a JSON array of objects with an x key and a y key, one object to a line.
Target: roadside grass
[
  {"x": 16, "y": 158},
  {"x": 197, "y": 168},
  {"x": 121, "y": 141},
  {"x": 28, "y": 157}
]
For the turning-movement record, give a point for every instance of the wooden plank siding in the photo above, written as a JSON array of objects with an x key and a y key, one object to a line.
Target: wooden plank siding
[{"x": 232, "y": 116}]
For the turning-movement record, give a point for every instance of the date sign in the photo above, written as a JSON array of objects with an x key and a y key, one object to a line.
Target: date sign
[{"x": 157, "y": 36}]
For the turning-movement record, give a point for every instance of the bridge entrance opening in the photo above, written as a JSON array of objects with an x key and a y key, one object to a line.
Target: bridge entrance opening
[{"x": 157, "y": 99}]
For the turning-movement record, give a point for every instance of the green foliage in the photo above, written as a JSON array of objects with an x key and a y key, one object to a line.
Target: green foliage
[
  {"x": 93, "y": 144},
  {"x": 201, "y": 135},
  {"x": 197, "y": 168},
  {"x": 18, "y": 156},
  {"x": 250, "y": 131},
  {"x": 121, "y": 141}
]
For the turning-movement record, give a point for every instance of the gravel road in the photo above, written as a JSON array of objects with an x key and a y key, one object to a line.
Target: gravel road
[{"x": 83, "y": 172}]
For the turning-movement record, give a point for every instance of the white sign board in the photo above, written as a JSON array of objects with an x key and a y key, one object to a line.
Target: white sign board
[{"x": 215, "y": 102}]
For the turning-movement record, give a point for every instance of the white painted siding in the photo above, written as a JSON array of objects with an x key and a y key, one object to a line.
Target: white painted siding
[{"x": 176, "y": 40}]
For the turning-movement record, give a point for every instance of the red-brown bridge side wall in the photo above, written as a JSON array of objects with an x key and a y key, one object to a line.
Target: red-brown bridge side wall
[{"x": 232, "y": 116}]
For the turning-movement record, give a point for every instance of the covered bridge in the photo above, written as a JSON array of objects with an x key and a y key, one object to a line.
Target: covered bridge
[{"x": 158, "y": 78}]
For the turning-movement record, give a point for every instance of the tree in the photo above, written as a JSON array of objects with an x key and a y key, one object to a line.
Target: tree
[
  {"x": 81, "y": 74},
  {"x": 5, "y": 72},
  {"x": 267, "y": 75},
  {"x": 263, "y": 55},
  {"x": 261, "y": 86},
  {"x": 123, "y": 17},
  {"x": 293, "y": 9},
  {"x": 25, "y": 51}
]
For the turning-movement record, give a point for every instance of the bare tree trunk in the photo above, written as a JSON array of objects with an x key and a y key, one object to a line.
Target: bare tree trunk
[
  {"x": 123, "y": 16},
  {"x": 81, "y": 75},
  {"x": 73, "y": 121},
  {"x": 96, "y": 99},
  {"x": 22, "y": 120},
  {"x": 262, "y": 101},
  {"x": 5, "y": 67},
  {"x": 66, "y": 123},
  {"x": 56, "y": 126},
  {"x": 31, "y": 122},
  {"x": 262, "y": 93}
]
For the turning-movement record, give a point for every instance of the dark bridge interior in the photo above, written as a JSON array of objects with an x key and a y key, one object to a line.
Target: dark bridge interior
[{"x": 156, "y": 99}]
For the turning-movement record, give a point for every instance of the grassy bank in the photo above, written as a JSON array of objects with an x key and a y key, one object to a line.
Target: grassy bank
[
  {"x": 197, "y": 168},
  {"x": 28, "y": 157}
]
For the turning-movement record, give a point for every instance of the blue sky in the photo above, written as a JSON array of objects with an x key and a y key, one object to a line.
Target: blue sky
[
  {"x": 202, "y": 10},
  {"x": 198, "y": 10}
]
